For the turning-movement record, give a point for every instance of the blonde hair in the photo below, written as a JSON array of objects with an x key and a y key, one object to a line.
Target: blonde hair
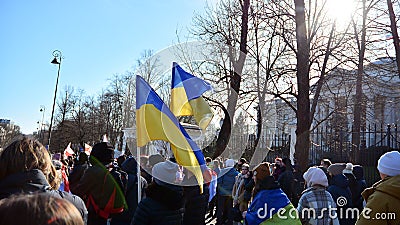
[
  {"x": 38, "y": 209},
  {"x": 27, "y": 154}
]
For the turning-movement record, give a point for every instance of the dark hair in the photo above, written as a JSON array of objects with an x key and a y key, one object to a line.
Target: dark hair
[
  {"x": 38, "y": 209},
  {"x": 326, "y": 162},
  {"x": 243, "y": 160},
  {"x": 208, "y": 159}
]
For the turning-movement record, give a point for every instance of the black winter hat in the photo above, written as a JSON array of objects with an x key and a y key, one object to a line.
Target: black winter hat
[{"x": 103, "y": 152}]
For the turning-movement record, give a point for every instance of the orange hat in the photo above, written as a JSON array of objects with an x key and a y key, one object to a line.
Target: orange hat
[{"x": 262, "y": 171}]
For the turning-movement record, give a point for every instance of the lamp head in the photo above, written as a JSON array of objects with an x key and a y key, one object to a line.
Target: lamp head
[{"x": 55, "y": 61}]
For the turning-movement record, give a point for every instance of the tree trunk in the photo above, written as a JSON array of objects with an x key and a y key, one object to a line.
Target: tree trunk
[
  {"x": 393, "y": 27},
  {"x": 303, "y": 97},
  {"x": 224, "y": 134},
  {"x": 359, "y": 92}
]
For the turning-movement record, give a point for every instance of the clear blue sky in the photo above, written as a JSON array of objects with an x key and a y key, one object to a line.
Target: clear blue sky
[{"x": 97, "y": 38}]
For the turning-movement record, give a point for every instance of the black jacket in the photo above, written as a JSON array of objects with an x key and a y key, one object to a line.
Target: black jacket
[
  {"x": 195, "y": 203},
  {"x": 130, "y": 167},
  {"x": 162, "y": 206},
  {"x": 34, "y": 181}
]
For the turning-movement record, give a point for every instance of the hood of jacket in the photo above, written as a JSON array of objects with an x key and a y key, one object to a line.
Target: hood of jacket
[
  {"x": 358, "y": 172},
  {"x": 29, "y": 181},
  {"x": 340, "y": 180},
  {"x": 129, "y": 165}
]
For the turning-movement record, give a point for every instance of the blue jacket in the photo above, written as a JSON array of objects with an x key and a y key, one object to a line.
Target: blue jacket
[{"x": 226, "y": 180}]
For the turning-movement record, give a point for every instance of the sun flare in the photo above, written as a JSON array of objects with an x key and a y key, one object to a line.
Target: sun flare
[{"x": 340, "y": 10}]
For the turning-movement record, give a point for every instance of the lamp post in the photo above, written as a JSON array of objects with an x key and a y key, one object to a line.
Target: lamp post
[{"x": 57, "y": 60}]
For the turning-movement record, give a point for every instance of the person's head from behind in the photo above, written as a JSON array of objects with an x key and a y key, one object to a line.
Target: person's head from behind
[
  {"x": 208, "y": 161},
  {"x": 38, "y": 209},
  {"x": 388, "y": 164},
  {"x": 102, "y": 153},
  {"x": 26, "y": 154},
  {"x": 315, "y": 176},
  {"x": 240, "y": 162},
  {"x": 261, "y": 171},
  {"x": 287, "y": 163},
  {"x": 326, "y": 163}
]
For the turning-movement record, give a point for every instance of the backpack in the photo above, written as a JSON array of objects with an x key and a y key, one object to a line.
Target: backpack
[{"x": 116, "y": 202}]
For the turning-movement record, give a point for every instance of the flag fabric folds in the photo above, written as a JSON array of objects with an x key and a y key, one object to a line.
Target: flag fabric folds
[
  {"x": 272, "y": 207},
  {"x": 68, "y": 151},
  {"x": 88, "y": 149},
  {"x": 186, "y": 97},
  {"x": 155, "y": 121}
]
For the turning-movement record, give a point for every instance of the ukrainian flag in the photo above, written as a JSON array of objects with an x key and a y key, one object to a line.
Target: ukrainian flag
[
  {"x": 186, "y": 97},
  {"x": 155, "y": 121},
  {"x": 272, "y": 207}
]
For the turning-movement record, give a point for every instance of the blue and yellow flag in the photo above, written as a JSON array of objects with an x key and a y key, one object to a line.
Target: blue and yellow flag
[
  {"x": 186, "y": 97},
  {"x": 272, "y": 207},
  {"x": 155, "y": 121}
]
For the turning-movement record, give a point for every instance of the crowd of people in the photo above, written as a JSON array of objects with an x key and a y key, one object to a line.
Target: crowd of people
[{"x": 38, "y": 188}]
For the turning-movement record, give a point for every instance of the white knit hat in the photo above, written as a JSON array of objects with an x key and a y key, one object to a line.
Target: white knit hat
[
  {"x": 230, "y": 163},
  {"x": 389, "y": 163},
  {"x": 349, "y": 168},
  {"x": 315, "y": 175}
]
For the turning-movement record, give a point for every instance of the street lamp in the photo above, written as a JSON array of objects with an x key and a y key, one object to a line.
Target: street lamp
[{"x": 57, "y": 60}]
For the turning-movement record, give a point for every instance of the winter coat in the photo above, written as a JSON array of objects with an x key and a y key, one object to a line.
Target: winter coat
[
  {"x": 76, "y": 175},
  {"x": 339, "y": 189},
  {"x": 286, "y": 181},
  {"x": 361, "y": 186},
  {"x": 353, "y": 185},
  {"x": 195, "y": 203},
  {"x": 34, "y": 181},
  {"x": 238, "y": 193},
  {"x": 98, "y": 183},
  {"x": 226, "y": 180},
  {"x": 130, "y": 167},
  {"x": 318, "y": 199},
  {"x": 163, "y": 205},
  {"x": 382, "y": 197}
]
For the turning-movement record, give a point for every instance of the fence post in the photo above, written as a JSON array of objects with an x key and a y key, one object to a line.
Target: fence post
[{"x": 388, "y": 136}]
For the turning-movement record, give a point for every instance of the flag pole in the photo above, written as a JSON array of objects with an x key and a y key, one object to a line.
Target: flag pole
[{"x": 138, "y": 174}]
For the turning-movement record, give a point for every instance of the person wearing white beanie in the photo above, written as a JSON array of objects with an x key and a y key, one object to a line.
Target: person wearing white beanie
[
  {"x": 384, "y": 196},
  {"x": 164, "y": 202},
  {"x": 318, "y": 198},
  {"x": 389, "y": 164}
]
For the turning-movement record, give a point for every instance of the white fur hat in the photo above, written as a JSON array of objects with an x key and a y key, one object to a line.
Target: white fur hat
[{"x": 389, "y": 163}]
